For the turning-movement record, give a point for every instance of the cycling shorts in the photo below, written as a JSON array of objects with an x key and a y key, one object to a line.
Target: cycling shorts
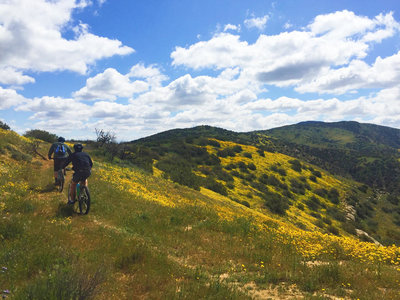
[
  {"x": 59, "y": 163},
  {"x": 80, "y": 175}
]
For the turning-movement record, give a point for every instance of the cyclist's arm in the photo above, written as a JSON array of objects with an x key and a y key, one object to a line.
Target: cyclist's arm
[
  {"x": 51, "y": 151},
  {"x": 68, "y": 150},
  {"x": 67, "y": 162}
]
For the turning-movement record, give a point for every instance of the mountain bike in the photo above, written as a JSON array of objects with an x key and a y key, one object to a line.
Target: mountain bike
[
  {"x": 82, "y": 198},
  {"x": 60, "y": 179}
]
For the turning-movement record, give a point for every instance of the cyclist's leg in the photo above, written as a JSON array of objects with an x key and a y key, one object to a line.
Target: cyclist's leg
[
  {"x": 72, "y": 190},
  {"x": 55, "y": 170}
]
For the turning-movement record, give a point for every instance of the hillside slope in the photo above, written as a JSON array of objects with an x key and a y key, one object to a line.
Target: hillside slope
[
  {"x": 149, "y": 238},
  {"x": 366, "y": 152},
  {"x": 333, "y": 177}
]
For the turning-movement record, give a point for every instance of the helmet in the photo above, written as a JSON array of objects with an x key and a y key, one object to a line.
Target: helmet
[
  {"x": 78, "y": 147},
  {"x": 61, "y": 139}
]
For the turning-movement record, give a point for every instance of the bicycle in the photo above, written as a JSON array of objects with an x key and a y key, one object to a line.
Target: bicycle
[
  {"x": 60, "y": 179},
  {"x": 82, "y": 198}
]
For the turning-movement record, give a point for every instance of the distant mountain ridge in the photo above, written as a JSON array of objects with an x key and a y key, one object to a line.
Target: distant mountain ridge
[{"x": 378, "y": 134}]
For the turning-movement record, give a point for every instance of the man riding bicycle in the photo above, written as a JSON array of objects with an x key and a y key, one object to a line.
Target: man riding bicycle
[
  {"x": 61, "y": 152},
  {"x": 82, "y": 166}
]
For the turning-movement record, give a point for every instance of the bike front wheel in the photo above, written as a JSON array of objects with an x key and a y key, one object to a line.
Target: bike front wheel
[{"x": 84, "y": 200}]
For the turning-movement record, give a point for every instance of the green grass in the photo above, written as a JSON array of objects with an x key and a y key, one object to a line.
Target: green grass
[{"x": 129, "y": 247}]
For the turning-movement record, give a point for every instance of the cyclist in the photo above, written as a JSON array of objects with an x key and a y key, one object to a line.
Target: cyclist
[
  {"x": 61, "y": 152},
  {"x": 82, "y": 166}
]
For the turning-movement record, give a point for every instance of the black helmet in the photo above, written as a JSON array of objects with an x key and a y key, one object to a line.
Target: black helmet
[
  {"x": 78, "y": 147},
  {"x": 61, "y": 139}
]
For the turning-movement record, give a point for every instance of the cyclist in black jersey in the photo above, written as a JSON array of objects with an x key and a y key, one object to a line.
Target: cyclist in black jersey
[{"x": 82, "y": 166}]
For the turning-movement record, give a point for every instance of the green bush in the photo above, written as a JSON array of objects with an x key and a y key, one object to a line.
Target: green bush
[
  {"x": 41, "y": 135},
  {"x": 295, "y": 165},
  {"x": 180, "y": 171},
  {"x": 211, "y": 184},
  {"x": 4, "y": 126},
  {"x": 247, "y": 154},
  {"x": 333, "y": 196},
  {"x": 316, "y": 173},
  {"x": 251, "y": 166},
  {"x": 276, "y": 203},
  {"x": 332, "y": 229}
]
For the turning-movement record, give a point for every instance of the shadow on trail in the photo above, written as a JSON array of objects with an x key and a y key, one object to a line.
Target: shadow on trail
[
  {"x": 48, "y": 188},
  {"x": 65, "y": 210}
]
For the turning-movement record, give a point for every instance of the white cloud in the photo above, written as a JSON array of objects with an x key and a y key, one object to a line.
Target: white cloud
[
  {"x": 232, "y": 27},
  {"x": 10, "y": 76},
  {"x": 297, "y": 58},
  {"x": 110, "y": 85},
  {"x": 384, "y": 73},
  {"x": 10, "y": 98},
  {"x": 287, "y": 25},
  {"x": 258, "y": 23},
  {"x": 31, "y": 37}
]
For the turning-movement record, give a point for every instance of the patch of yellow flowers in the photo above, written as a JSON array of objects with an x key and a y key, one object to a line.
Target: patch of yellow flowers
[{"x": 311, "y": 245}]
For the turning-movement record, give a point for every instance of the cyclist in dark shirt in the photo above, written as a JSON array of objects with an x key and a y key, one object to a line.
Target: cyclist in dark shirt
[
  {"x": 82, "y": 166},
  {"x": 61, "y": 152}
]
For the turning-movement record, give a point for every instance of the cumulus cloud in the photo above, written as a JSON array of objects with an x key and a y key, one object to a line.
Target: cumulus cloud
[
  {"x": 296, "y": 58},
  {"x": 31, "y": 38},
  {"x": 10, "y": 98},
  {"x": 258, "y": 23},
  {"x": 11, "y": 76},
  {"x": 232, "y": 27},
  {"x": 110, "y": 85}
]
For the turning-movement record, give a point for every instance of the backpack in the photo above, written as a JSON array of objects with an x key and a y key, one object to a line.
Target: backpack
[{"x": 60, "y": 150}]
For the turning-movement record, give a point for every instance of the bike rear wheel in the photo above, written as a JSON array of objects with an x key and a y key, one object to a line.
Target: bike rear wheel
[
  {"x": 84, "y": 200},
  {"x": 61, "y": 180}
]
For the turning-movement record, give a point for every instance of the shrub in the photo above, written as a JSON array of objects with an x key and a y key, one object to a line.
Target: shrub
[
  {"x": 316, "y": 173},
  {"x": 321, "y": 192},
  {"x": 327, "y": 220},
  {"x": 179, "y": 170},
  {"x": 261, "y": 152},
  {"x": 41, "y": 135},
  {"x": 4, "y": 126},
  {"x": 333, "y": 196},
  {"x": 295, "y": 165},
  {"x": 278, "y": 170},
  {"x": 247, "y": 154},
  {"x": 319, "y": 223},
  {"x": 363, "y": 188},
  {"x": 263, "y": 178},
  {"x": 332, "y": 229},
  {"x": 313, "y": 203},
  {"x": 252, "y": 166},
  {"x": 297, "y": 187},
  {"x": 394, "y": 199},
  {"x": 272, "y": 180},
  {"x": 313, "y": 178},
  {"x": 276, "y": 203},
  {"x": 211, "y": 184}
]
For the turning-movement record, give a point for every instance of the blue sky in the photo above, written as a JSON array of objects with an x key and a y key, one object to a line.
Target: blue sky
[{"x": 136, "y": 68}]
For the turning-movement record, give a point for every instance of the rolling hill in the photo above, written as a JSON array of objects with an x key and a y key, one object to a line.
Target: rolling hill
[{"x": 209, "y": 214}]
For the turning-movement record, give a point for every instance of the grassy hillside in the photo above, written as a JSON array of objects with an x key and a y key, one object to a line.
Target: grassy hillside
[
  {"x": 366, "y": 152},
  {"x": 248, "y": 168},
  {"x": 149, "y": 238}
]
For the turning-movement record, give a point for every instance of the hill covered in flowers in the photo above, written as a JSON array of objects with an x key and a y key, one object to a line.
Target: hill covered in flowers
[{"x": 249, "y": 224}]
